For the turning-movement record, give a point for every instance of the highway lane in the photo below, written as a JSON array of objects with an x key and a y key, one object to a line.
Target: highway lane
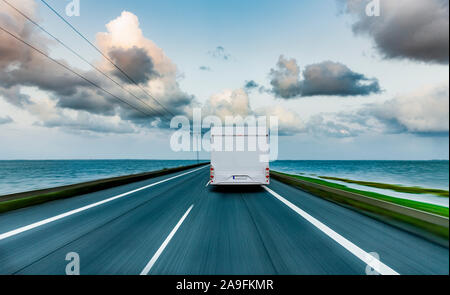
[
  {"x": 237, "y": 230},
  {"x": 135, "y": 224}
]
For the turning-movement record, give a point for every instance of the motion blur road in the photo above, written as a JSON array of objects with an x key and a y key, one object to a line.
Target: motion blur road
[{"x": 174, "y": 224}]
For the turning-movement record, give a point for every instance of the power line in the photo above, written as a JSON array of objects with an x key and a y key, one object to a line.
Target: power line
[
  {"x": 81, "y": 57},
  {"x": 106, "y": 57},
  {"x": 72, "y": 71}
]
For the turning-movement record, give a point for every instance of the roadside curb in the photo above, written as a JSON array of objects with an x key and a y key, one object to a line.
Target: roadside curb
[{"x": 428, "y": 225}]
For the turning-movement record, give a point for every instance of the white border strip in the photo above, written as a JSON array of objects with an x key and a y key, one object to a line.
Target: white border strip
[
  {"x": 63, "y": 215},
  {"x": 367, "y": 258},
  {"x": 155, "y": 257}
]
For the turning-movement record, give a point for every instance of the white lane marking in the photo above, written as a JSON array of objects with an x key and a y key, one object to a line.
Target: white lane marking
[
  {"x": 155, "y": 257},
  {"x": 376, "y": 264},
  {"x": 63, "y": 215}
]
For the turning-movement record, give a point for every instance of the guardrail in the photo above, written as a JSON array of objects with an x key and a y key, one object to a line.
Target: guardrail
[
  {"x": 419, "y": 222},
  {"x": 26, "y": 199}
]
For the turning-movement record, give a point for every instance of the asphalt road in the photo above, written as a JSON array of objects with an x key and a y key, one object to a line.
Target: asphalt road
[{"x": 176, "y": 225}]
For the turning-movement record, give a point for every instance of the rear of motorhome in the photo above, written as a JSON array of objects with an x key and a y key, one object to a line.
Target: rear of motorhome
[{"x": 239, "y": 156}]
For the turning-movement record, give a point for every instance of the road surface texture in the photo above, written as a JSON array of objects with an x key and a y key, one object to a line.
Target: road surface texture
[{"x": 174, "y": 224}]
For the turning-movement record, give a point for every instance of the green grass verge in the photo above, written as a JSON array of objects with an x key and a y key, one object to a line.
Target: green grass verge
[
  {"x": 27, "y": 199},
  {"x": 35, "y": 200},
  {"x": 431, "y": 208},
  {"x": 394, "y": 187},
  {"x": 416, "y": 225}
]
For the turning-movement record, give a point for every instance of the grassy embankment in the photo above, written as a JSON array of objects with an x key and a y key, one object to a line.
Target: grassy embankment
[
  {"x": 410, "y": 222},
  {"x": 26, "y": 199},
  {"x": 394, "y": 187}
]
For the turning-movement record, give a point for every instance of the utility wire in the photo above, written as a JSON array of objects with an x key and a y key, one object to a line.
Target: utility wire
[
  {"x": 74, "y": 72},
  {"x": 81, "y": 57},
  {"x": 105, "y": 56}
]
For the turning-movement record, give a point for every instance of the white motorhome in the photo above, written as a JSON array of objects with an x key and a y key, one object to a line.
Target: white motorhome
[{"x": 239, "y": 156}]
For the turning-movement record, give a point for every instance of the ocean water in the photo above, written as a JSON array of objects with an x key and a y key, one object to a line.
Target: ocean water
[
  {"x": 428, "y": 174},
  {"x": 22, "y": 176}
]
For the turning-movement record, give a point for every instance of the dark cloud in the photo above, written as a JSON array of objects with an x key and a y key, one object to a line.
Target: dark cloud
[
  {"x": 20, "y": 65},
  {"x": 285, "y": 78},
  {"x": 331, "y": 78},
  {"x": 326, "y": 78},
  {"x": 220, "y": 53},
  {"x": 5, "y": 120},
  {"x": 14, "y": 96},
  {"x": 93, "y": 101},
  {"x": 413, "y": 29},
  {"x": 33, "y": 69},
  {"x": 145, "y": 63},
  {"x": 135, "y": 62},
  {"x": 250, "y": 85},
  {"x": 57, "y": 80}
]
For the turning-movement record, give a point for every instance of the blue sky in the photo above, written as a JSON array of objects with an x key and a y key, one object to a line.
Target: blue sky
[{"x": 253, "y": 34}]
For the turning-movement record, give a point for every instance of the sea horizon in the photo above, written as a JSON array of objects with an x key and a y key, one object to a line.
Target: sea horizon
[
  {"x": 152, "y": 159},
  {"x": 25, "y": 175}
]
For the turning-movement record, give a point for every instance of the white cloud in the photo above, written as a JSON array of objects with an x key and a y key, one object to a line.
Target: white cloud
[
  {"x": 124, "y": 34},
  {"x": 285, "y": 78},
  {"x": 20, "y": 67},
  {"x": 289, "y": 122},
  {"x": 237, "y": 103},
  {"x": 424, "y": 111},
  {"x": 228, "y": 103}
]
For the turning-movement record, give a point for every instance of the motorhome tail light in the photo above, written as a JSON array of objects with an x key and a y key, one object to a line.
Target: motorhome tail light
[
  {"x": 267, "y": 173},
  {"x": 212, "y": 173}
]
